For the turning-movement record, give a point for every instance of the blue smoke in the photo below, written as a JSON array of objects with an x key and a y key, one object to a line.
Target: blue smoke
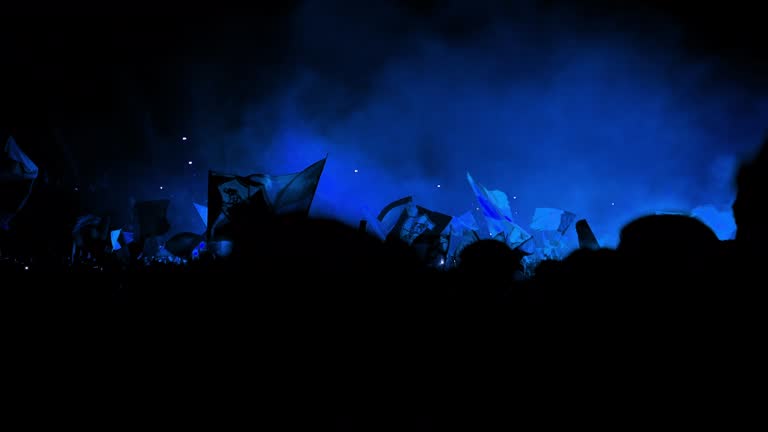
[{"x": 589, "y": 118}]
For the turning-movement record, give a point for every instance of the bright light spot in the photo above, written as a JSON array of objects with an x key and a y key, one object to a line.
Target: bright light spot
[
  {"x": 613, "y": 203},
  {"x": 478, "y": 208},
  {"x": 183, "y": 138},
  {"x": 355, "y": 170},
  {"x": 26, "y": 267},
  {"x": 77, "y": 189},
  {"x": 161, "y": 188},
  {"x": 189, "y": 163},
  {"x": 442, "y": 261},
  {"x": 438, "y": 185},
  {"x": 514, "y": 197}
]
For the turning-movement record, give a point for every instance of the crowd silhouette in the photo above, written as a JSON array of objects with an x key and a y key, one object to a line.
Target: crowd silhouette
[{"x": 313, "y": 323}]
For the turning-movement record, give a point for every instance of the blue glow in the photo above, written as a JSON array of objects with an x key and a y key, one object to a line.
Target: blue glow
[{"x": 609, "y": 126}]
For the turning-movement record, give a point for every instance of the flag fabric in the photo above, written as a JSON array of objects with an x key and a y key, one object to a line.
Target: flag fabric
[
  {"x": 373, "y": 226},
  {"x": 202, "y": 211},
  {"x": 466, "y": 221},
  {"x": 90, "y": 232},
  {"x": 423, "y": 229},
  {"x": 128, "y": 237},
  {"x": 587, "y": 239},
  {"x": 464, "y": 230},
  {"x": 494, "y": 206},
  {"x": 290, "y": 194},
  {"x": 416, "y": 221},
  {"x": 17, "y": 175},
  {"x": 390, "y": 215},
  {"x": 552, "y": 219},
  {"x": 114, "y": 237},
  {"x": 152, "y": 218},
  {"x": 496, "y": 216}
]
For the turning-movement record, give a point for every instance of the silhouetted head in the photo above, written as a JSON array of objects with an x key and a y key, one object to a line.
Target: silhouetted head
[
  {"x": 490, "y": 258},
  {"x": 664, "y": 240},
  {"x": 751, "y": 197}
]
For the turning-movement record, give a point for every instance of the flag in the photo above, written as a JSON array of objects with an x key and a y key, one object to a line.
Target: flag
[
  {"x": 296, "y": 192},
  {"x": 128, "y": 237},
  {"x": 494, "y": 206},
  {"x": 423, "y": 229},
  {"x": 390, "y": 215},
  {"x": 373, "y": 225},
  {"x": 552, "y": 219},
  {"x": 202, "y": 211},
  {"x": 465, "y": 221},
  {"x": 90, "y": 230},
  {"x": 416, "y": 221},
  {"x": 264, "y": 194},
  {"x": 152, "y": 218},
  {"x": 114, "y": 236},
  {"x": 496, "y": 216},
  {"x": 464, "y": 230},
  {"x": 17, "y": 175},
  {"x": 587, "y": 239}
]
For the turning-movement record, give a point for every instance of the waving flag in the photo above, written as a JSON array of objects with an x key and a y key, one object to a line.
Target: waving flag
[
  {"x": 497, "y": 216},
  {"x": 17, "y": 175},
  {"x": 494, "y": 205},
  {"x": 202, "y": 211},
  {"x": 290, "y": 194},
  {"x": 114, "y": 237}
]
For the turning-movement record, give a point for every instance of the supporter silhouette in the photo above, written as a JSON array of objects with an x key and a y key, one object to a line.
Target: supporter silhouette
[
  {"x": 668, "y": 245},
  {"x": 491, "y": 260},
  {"x": 749, "y": 208}
]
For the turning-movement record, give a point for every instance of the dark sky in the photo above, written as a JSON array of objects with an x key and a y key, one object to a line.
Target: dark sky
[{"x": 75, "y": 68}]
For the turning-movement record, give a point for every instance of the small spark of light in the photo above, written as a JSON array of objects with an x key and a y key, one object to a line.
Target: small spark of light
[
  {"x": 613, "y": 204},
  {"x": 355, "y": 170},
  {"x": 514, "y": 197},
  {"x": 183, "y": 138},
  {"x": 189, "y": 163},
  {"x": 26, "y": 267},
  {"x": 77, "y": 189},
  {"x": 438, "y": 185},
  {"x": 161, "y": 188}
]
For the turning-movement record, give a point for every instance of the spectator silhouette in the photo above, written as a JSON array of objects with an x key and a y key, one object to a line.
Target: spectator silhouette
[
  {"x": 492, "y": 260},
  {"x": 672, "y": 260},
  {"x": 749, "y": 206}
]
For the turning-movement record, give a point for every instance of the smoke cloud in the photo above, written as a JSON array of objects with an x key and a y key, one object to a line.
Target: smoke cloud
[{"x": 554, "y": 109}]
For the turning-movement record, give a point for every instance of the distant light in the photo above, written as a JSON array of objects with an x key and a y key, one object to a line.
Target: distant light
[
  {"x": 478, "y": 208},
  {"x": 189, "y": 163},
  {"x": 438, "y": 185},
  {"x": 183, "y": 138},
  {"x": 514, "y": 197},
  {"x": 355, "y": 170},
  {"x": 161, "y": 188},
  {"x": 442, "y": 261},
  {"x": 26, "y": 267},
  {"x": 613, "y": 203},
  {"x": 77, "y": 189}
]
